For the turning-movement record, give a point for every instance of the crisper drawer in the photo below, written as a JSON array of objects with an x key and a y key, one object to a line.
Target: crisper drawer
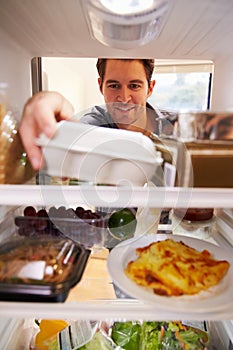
[{"x": 212, "y": 335}]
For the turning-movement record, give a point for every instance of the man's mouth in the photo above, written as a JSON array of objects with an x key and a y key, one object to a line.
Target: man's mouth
[{"x": 124, "y": 108}]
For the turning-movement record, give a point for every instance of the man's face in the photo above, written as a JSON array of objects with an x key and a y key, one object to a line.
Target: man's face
[{"x": 125, "y": 90}]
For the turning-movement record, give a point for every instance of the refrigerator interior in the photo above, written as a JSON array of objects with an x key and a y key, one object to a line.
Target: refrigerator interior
[{"x": 21, "y": 41}]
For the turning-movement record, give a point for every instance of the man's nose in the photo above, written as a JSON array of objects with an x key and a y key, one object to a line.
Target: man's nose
[{"x": 125, "y": 95}]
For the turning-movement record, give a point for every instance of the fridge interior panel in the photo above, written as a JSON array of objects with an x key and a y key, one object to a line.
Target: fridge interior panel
[
  {"x": 224, "y": 226},
  {"x": 15, "y": 71},
  {"x": 9, "y": 332},
  {"x": 221, "y": 339},
  {"x": 190, "y": 30},
  {"x": 207, "y": 164}
]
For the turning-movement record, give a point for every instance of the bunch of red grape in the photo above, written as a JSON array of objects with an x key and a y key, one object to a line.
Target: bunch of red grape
[{"x": 55, "y": 221}]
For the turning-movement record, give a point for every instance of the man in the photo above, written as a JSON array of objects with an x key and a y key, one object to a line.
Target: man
[{"x": 125, "y": 84}]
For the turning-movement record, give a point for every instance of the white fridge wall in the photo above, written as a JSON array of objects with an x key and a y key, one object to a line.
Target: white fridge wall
[
  {"x": 15, "y": 68},
  {"x": 223, "y": 77},
  {"x": 76, "y": 77}
]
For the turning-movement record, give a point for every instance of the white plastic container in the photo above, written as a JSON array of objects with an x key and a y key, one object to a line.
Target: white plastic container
[{"x": 99, "y": 155}]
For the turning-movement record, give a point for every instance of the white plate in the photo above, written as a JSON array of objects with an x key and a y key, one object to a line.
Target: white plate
[{"x": 215, "y": 299}]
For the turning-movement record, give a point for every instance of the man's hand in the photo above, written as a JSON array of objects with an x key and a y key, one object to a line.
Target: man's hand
[{"x": 40, "y": 114}]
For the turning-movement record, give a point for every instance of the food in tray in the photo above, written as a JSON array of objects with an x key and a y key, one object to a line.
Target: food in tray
[
  {"x": 55, "y": 221},
  {"x": 173, "y": 268},
  {"x": 49, "y": 261},
  {"x": 40, "y": 269},
  {"x": 61, "y": 212},
  {"x": 84, "y": 226},
  {"x": 194, "y": 214}
]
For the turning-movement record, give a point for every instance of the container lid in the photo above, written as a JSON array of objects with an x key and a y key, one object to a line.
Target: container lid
[
  {"x": 115, "y": 143},
  {"x": 194, "y": 214}
]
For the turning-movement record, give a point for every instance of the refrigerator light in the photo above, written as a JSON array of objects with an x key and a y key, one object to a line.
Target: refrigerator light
[
  {"x": 133, "y": 24},
  {"x": 129, "y": 7}
]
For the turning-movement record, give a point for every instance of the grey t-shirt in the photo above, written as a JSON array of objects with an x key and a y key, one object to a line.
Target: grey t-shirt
[{"x": 99, "y": 116}]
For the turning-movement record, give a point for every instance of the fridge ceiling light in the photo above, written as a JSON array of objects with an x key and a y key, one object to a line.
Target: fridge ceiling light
[
  {"x": 125, "y": 24},
  {"x": 129, "y": 6}
]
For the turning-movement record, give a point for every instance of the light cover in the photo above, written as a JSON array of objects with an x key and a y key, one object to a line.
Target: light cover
[{"x": 125, "y": 24}]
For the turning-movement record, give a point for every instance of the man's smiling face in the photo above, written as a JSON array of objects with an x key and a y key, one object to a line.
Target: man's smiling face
[{"x": 126, "y": 89}]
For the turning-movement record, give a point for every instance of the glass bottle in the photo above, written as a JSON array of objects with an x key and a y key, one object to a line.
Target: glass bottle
[
  {"x": 14, "y": 165},
  {"x": 194, "y": 222}
]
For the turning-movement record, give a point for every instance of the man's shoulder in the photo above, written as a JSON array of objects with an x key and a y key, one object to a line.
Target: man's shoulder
[
  {"x": 171, "y": 115},
  {"x": 97, "y": 115},
  {"x": 167, "y": 114}
]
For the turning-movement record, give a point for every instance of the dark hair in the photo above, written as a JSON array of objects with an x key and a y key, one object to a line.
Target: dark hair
[{"x": 148, "y": 65}]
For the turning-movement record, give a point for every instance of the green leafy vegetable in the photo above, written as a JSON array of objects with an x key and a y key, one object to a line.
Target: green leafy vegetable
[
  {"x": 127, "y": 335},
  {"x": 98, "y": 342},
  {"x": 170, "y": 342},
  {"x": 150, "y": 338},
  {"x": 158, "y": 336}
]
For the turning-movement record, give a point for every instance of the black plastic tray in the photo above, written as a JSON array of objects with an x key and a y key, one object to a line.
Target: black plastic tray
[{"x": 15, "y": 288}]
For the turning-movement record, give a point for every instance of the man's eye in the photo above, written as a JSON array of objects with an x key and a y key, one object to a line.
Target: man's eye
[
  {"x": 114, "y": 86},
  {"x": 135, "y": 86}
]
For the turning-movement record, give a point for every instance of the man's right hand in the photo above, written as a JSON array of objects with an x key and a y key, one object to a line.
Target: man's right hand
[{"x": 40, "y": 114}]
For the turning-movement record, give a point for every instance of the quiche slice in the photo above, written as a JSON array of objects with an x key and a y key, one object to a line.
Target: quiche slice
[{"x": 173, "y": 268}]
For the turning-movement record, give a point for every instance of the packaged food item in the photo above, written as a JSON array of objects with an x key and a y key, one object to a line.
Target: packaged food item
[
  {"x": 196, "y": 222},
  {"x": 155, "y": 335},
  {"x": 82, "y": 225},
  {"x": 209, "y": 125},
  {"x": 122, "y": 335},
  {"x": 72, "y": 335},
  {"x": 15, "y": 167},
  {"x": 99, "y": 155},
  {"x": 194, "y": 214},
  {"x": 3, "y": 112},
  {"x": 3, "y": 100},
  {"x": 48, "y": 329},
  {"x": 40, "y": 269}
]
